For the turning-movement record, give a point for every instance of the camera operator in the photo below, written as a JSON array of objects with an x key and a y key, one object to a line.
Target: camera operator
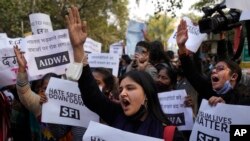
[{"x": 141, "y": 60}]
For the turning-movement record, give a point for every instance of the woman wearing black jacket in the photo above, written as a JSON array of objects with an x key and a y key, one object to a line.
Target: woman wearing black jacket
[{"x": 139, "y": 111}]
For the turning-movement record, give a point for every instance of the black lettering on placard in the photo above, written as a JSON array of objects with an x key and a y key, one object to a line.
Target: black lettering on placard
[
  {"x": 69, "y": 112},
  {"x": 53, "y": 60},
  {"x": 94, "y": 138},
  {"x": 239, "y": 132},
  {"x": 205, "y": 137},
  {"x": 176, "y": 119},
  {"x": 40, "y": 31}
]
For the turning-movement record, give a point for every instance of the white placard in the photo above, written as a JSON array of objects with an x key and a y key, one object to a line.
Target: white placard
[
  {"x": 134, "y": 35},
  {"x": 195, "y": 38},
  {"x": 116, "y": 48},
  {"x": 65, "y": 105},
  {"x": 92, "y": 46},
  {"x": 101, "y": 132},
  {"x": 104, "y": 60},
  {"x": 40, "y": 23},
  {"x": 213, "y": 123},
  {"x": 245, "y": 15},
  {"x": 9, "y": 66},
  {"x": 238, "y": 4},
  {"x": 11, "y": 42},
  {"x": 3, "y": 35},
  {"x": 48, "y": 52},
  {"x": 172, "y": 104}
]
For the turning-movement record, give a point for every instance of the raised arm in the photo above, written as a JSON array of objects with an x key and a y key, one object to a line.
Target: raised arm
[
  {"x": 27, "y": 97},
  {"x": 198, "y": 81},
  {"x": 91, "y": 95}
]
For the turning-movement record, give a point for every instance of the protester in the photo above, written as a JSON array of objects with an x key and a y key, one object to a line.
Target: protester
[
  {"x": 124, "y": 62},
  {"x": 141, "y": 60},
  {"x": 166, "y": 82},
  {"x": 33, "y": 101},
  {"x": 107, "y": 83},
  {"x": 139, "y": 111},
  {"x": 5, "y": 111},
  {"x": 224, "y": 85},
  {"x": 157, "y": 54}
]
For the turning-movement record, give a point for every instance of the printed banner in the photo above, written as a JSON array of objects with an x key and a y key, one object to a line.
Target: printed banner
[
  {"x": 173, "y": 106},
  {"x": 40, "y": 23},
  {"x": 104, "y": 60},
  {"x": 48, "y": 52},
  {"x": 213, "y": 123},
  {"x": 101, "y": 132},
  {"x": 92, "y": 46},
  {"x": 65, "y": 105},
  {"x": 195, "y": 38}
]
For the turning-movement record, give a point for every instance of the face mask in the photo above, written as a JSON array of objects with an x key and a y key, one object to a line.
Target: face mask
[
  {"x": 227, "y": 86},
  {"x": 74, "y": 71}
]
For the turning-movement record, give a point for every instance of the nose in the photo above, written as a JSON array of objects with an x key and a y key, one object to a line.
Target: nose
[
  {"x": 123, "y": 93},
  {"x": 214, "y": 70}
]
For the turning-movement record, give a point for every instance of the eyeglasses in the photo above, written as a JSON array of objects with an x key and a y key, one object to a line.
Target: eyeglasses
[{"x": 219, "y": 68}]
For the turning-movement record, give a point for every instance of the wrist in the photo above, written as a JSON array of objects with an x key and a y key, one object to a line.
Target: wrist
[
  {"x": 182, "y": 51},
  {"x": 21, "y": 69}
]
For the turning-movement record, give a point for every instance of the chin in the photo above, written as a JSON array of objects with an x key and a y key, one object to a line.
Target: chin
[{"x": 217, "y": 88}]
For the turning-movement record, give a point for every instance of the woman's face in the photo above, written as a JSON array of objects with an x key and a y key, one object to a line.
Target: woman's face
[
  {"x": 131, "y": 96},
  {"x": 43, "y": 87},
  {"x": 163, "y": 77},
  {"x": 99, "y": 79},
  {"x": 220, "y": 74}
]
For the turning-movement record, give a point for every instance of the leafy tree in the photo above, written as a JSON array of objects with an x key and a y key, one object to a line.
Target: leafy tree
[
  {"x": 14, "y": 18},
  {"x": 167, "y": 6},
  {"x": 160, "y": 27},
  {"x": 204, "y": 3}
]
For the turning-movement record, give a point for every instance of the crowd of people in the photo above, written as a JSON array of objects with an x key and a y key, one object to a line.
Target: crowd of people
[{"x": 129, "y": 101}]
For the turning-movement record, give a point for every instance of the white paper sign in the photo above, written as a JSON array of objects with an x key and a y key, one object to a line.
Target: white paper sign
[
  {"x": 48, "y": 52},
  {"x": 104, "y": 60},
  {"x": 40, "y": 23},
  {"x": 134, "y": 35},
  {"x": 65, "y": 105},
  {"x": 195, "y": 38},
  {"x": 11, "y": 42},
  {"x": 213, "y": 123},
  {"x": 245, "y": 15},
  {"x": 92, "y": 46},
  {"x": 101, "y": 132},
  {"x": 9, "y": 66},
  {"x": 3, "y": 35},
  {"x": 238, "y": 4},
  {"x": 116, "y": 48},
  {"x": 172, "y": 104}
]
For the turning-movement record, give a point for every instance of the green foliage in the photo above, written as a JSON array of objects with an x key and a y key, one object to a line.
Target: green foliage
[
  {"x": 204, "y": 3},
  {"x": 14, "y": 18},
  {"x": 160, "y": 27}
]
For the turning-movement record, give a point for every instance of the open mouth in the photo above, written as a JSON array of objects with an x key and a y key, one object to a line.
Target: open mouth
[
  {"x": 125, "y": 102},
  {"x": 215, "y": 79}
]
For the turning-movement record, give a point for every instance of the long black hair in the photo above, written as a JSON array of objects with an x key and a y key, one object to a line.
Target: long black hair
[{"x": 150, "y": 90}]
